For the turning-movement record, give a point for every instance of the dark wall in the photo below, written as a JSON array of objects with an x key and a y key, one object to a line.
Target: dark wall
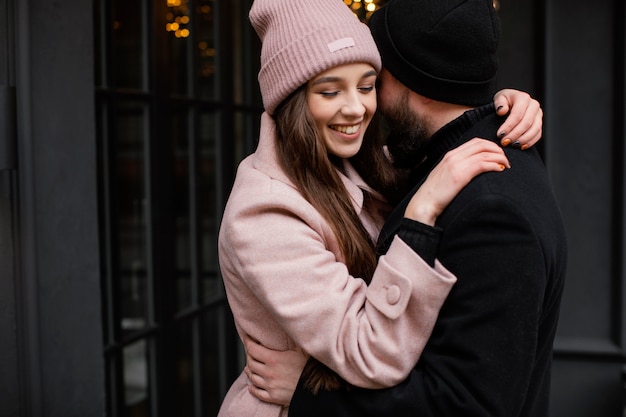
[
  {"x": 9, "y": 392},
  {"x": 571, "y": 54},
  {"x": 57, "y": 287}
]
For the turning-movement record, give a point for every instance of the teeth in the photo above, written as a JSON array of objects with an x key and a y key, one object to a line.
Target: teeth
[{"x": 349, "y": 130}]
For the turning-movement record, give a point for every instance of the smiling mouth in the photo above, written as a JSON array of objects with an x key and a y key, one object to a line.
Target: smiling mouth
[{"x": 348, "y": 130}]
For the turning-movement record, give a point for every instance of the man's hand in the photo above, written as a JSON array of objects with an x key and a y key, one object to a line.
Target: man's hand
[{"x": 273, "y": 374}]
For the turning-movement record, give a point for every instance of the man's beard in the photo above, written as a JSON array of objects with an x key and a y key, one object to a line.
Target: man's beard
[{"x": 408, "y": 137}]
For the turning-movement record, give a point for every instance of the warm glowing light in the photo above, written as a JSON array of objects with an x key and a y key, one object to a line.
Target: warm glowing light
[
  {"x": 177, "y": 18},
  {"x": 363, "y": 9}
]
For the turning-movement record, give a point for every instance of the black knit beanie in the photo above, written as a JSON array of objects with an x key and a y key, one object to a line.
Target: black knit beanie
[{"x": 445, "y": 50}]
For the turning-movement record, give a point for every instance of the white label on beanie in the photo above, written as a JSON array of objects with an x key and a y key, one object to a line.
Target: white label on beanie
[{"x": 340, "y": 44}]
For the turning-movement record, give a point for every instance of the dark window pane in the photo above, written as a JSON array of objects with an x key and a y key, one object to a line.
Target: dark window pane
[
  {"x": 214, "y": 357},
  {"x": 205, "y": 49},
  {"x": 177, "y": 25},
  {"x": 130, "y": 181},
  {"x": 129, "y": 50},
  {"x": 185, "y": 371},
  {"x": 247, "y": 126},
  {"x": 211, "y": 283},
  {"x": 168, "y": 147},
  {"x": 181, "y": 199},
  {"x": 136, "y": 380}
]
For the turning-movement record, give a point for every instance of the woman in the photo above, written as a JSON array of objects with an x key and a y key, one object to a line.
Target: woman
[{"x": 296, "y": 243}]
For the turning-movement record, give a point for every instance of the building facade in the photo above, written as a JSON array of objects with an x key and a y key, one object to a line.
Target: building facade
[{"x": 121, "y": 126}]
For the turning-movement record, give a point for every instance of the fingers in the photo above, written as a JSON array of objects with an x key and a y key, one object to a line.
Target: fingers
[
  {"x": 256, "y": 353},
  {"x": 518, "y": 108},
  {"x": 273, "y": 375},
  {"x": 523, "y": 126},
  {"x": 484, "y": 162},
  {"x": 501, "y": 102},
  {"x": 475, "y": 151},
  {"x": 259, "y": 393},
  {"x": 451, "y": 174},
  {"x": 270, "y": 388},
  {"x": 257, "y": 380},
  {"x": 533, "y": 134},
  {"x": 257, "y": 387},
  {"x": 528, "y": 130},
  {"x": 472, "y": 158},
  {"x": 263, "y": 395},
  {"x": 253, "y": 364},
  {"x": 250, "y": 347}
]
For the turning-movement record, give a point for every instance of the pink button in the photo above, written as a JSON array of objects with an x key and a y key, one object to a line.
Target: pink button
[{"x": 393, "y": 294}]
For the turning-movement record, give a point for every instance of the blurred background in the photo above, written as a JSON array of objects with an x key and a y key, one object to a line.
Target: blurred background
[{"x": 121, "y": 126}]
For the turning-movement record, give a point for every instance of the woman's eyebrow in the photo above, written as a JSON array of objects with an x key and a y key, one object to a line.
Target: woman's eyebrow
[
  {"x": 331, "y": 79},
  {"x": 328, "y": 79}
]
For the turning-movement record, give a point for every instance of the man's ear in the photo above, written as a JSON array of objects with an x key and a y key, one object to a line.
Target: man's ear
[{"x": 418, "y": 101}]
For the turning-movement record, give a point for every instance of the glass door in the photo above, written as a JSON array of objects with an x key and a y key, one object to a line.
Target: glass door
[{"x": 175, "y": 115}]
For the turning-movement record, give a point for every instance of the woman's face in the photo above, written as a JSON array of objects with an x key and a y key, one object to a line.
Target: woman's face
[{"x": 342, "y": 101}]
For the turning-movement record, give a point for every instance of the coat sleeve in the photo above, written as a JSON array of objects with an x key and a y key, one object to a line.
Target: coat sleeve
[
  {"x": 481, "y": 354},
  {"x": 371, "y": 336}
]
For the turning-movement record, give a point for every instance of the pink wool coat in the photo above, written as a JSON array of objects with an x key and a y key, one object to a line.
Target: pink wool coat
[{"x": 287, "y": 285}]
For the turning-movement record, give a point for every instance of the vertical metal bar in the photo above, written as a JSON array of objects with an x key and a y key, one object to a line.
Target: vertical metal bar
[
  {"x": 619, "y": 109},
  {"x": 196, "y": 354},
  {"x": 9, "y": 251},
  {"x": 8, "y": 129},
  {"x": 195, "y": 237},
  {"x": 623, "y": 390}
]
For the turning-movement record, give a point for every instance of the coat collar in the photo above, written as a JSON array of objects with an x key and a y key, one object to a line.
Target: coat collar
[{"x": 265, "y": 159}]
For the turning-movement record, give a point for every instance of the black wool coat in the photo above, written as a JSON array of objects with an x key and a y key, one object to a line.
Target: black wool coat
[{"x": 491, "y": 349}]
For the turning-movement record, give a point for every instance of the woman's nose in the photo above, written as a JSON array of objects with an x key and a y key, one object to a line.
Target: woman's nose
[{"x": 353, "y": 106}]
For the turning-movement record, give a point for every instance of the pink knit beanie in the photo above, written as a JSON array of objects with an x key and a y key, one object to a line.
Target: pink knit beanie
[{"x": 303, "y": 39}]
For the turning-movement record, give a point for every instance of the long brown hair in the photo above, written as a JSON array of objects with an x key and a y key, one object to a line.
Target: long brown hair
[{"x": 305, "y": 159}]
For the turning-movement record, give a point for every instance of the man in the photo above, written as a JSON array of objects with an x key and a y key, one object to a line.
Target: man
[{"x": 502, "y": 236}]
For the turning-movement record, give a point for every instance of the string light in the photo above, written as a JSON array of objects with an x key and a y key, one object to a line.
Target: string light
[
  {"x": 178, "y": 18},
  {"x": 363, "y": 9}
]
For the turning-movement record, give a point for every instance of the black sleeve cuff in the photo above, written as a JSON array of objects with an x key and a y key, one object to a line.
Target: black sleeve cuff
[{"x": 423, "y": 239}]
